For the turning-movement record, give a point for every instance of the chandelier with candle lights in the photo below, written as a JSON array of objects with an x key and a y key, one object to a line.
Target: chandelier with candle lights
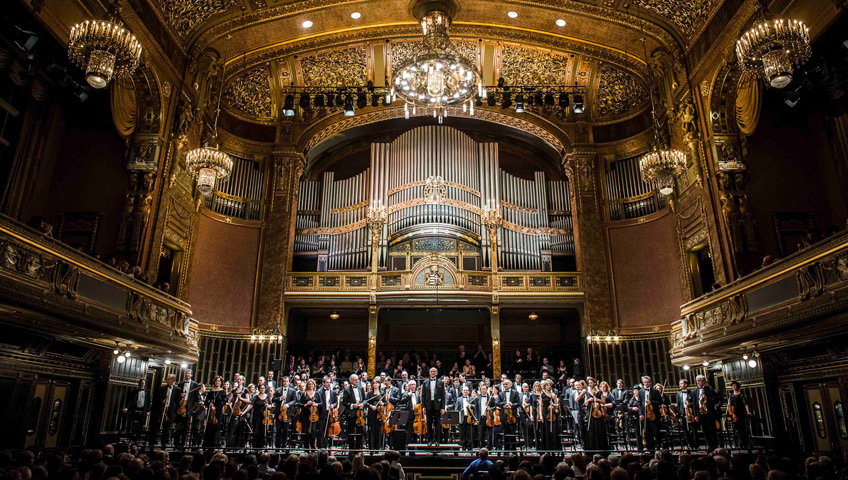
[
  {"x": 438, "y": 78},
  {"x": 105, "y": 49},
  {"x": 772, "y": 48}
]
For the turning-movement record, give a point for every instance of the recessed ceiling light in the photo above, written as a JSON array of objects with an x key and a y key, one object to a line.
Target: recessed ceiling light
[
  {"x": 512, "y": 14},
  {"x": 307, "y": 24},
  {"x": 355, "y": 15},
  {"x": 560, "y": 23}
]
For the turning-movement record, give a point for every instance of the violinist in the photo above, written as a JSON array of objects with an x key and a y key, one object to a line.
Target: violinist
[
  {"x": 493, "y": 417},
  {"x": 285, "y": 399},
  {"x": 706, "y": 402},
  {"x": 549, "y": 411},
  {"x": 536, "y": 422},
  {"x": 352, "y": 399},
  {"x": 375, "y": 402},
  {"x": 136, "y": 409},
  {"x": 234, "y": 408},
  {"x": 310, "y": 404},
  {"x": 481, "y": 406},
  {"x": 259, "y": 406},
  {"x": 215, "y": 400},
  {"x": 433, "y": 398},
  {"x": 579, "y": 408},
  {"x": 407, "y": 403},
  {"x": 329, "y": 399},
  {"x": 620, "y": 396},
  {"x": 509, "y": 402},
  {"x": 167, "y": 401},
  {"x": 738, "y": 410},
  {"x": 467, "y": 416},
  {"x": 188, "y": 392},
  {"x": 686, "y": 415},
  {"x": 648, "y": 401},
  {"x": 198, "y": 416},
  {"x": 596, "y": 403}
]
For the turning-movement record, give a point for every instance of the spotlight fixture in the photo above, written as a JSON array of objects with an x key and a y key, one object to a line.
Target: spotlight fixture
[
  {"x": 752, "y": 363},
  {"x": 745, "y": 356},
  {"x": 375, "y": 100},
  {"x": 348, "y": 106},
  {"x": 121, "y": 359},
  {"x": 305, "y": 102},
  {"x": 530, "y": 100},
  {"x": 549, "y": 99},
  {"x": 578, "y": 104},
  {"x": 356, "y": 15},
  {"x": 288, "y": 106},
  {"x": 331, "y": 100},
  {"x": 705, "y": 363},
  {"x": 533, "y": 316},
  {"x": 538, "y": 98},
  {"x": 506, "y": 100},
  {"x": 686, "y": 368},
  {"x": 339, "y": 100},
  {"x": 307, "y": 24},
  {"x": 127, "y": 354},
  {"x": 361, "y": 100},
  {"x": 563, "y": 100},
  {"x": 519, "y": 103},
  {"x": 560, "y": 23},
  {"x": 334, "y": 315},
  {"x": 116, "y": 351},
  {"x": 512, "y": 14},
  {"x": 387, "y": 100}
]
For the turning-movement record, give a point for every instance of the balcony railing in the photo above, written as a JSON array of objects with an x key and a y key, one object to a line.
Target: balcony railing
[
  {"x": 78, "y": 297},
  {"x": 794, "y": 299}
]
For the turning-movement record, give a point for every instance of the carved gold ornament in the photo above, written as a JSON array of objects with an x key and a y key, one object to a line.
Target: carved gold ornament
[
  {"x": 618, "y": 92},
  {"x": 184, "y": 15},
  {"x": 523, "y": 66},
  {"x": 687, "y": 15},
  {"x": 346, "y": 67},
  {"x": 250, "y": 93}
]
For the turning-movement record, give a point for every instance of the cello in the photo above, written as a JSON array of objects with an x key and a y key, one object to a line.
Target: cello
[
  {"x": 419, "y": 425},
  {"x": 384, "y": 412},
  {"x": 334, "y": 428}
]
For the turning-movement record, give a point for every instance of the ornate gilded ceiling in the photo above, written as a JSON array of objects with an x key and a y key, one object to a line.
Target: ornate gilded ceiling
[
  {"x": 185, "y": 15},
  {"x": 687, "y": 15},
  {"x": 345, "y": 67},
  {"x": 521, "y": 66},
  {"x": 250, "y": 93},
  {"x": 618, "y": 93}
]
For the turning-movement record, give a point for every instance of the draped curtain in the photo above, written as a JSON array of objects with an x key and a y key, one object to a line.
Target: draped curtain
[
  {"x": 748, "y": 101},
  {"x": 122, "y": 95}
]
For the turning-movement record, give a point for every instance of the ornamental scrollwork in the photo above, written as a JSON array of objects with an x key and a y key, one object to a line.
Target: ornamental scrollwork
[
  {"x": 250, "y": 93},
  {"x": 346, "y": 67},
  {"x": 184, "y": 15},
  {"x": 522, "y": 66},
  {"x": 687, "y": 15},
  {"x": 403, "y": 52},
  {"x": 618, "y": 92}
]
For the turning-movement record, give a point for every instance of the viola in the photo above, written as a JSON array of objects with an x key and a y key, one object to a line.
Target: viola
[
  {"x": 313, "y": 413},
  {"x": 268, "y": 418},
  {"x": 181, "y": 410},
  {"x": 214, "y": 415},
  {"x": 650, "y": 414},
  {"x": 702, "y": 403},
  {"x": 419, "y": 425},
  {"x": 283, "y": 414},
  {"x": 333, "y": 420},
  {"x": 360, "y": 417},
  {"x": 237, "y": 408}
]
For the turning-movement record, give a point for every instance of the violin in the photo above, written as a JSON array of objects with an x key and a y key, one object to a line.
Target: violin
[
  {"x": 214, "y": 416},
  {"x": 181, "y": 410},
  {"x": 334, "y": 428},
  {"x": 597, "y": 410},
  {"x": 283, "y": 414},
  {"x": 360, "y": 417},
  {"x": 731, "y": 412},
  {"x": 419, "y": 425},
  {"x": 268, "y": 418},
  {"x": 385, "y": 412},
  {"x": 690, "y": 417},
  {"x": 702, "y": 403},
  {"x": 237, "y": 408},
  {"x": 650, "y": 414},
  {"x": 510, "y": 416},
  {"x": 553, "y": 409},
  {"x": 313, "y": 413}
]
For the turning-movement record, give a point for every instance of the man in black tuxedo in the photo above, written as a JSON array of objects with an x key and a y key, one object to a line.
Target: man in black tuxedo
[
  {"x": 136, "y": 408},
  {"x": 433, "y": 400},
  {"x": 285, "y": 396},
  {"x": 644, "y": 397},
  {"x": 685, "y": 408},
  {"x": 707, "y": 420},
  {"x": 508, "y": 398},
  {"x": 188, "y": 388},
  {"x": 167, "y": 400},
  {"x": 328, "y": 399},
  {"x": 619, "y": 396},
  {"x": 352, "y": 400},
  {"x": 406, "y": 402},
  {"x": 466, "y": 418}
]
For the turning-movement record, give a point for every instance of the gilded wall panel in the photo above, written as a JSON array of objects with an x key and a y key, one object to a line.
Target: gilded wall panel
[
  {"x": 250, "y": 93},
  {"x": 336, "y": 67},
  {"x": 403, "y": 52},
  {"x": 618, "y": 92},
  {"x": 184, "y": 15},
  {"x": 522, "y": 66}
]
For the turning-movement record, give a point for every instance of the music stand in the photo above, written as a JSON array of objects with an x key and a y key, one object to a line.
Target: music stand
[
  {"x": 399, "y": 418},
  {"x": 450, "y": 418}
]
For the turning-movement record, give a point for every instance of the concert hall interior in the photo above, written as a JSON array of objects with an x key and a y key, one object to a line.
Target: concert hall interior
[{"x": 304, "y": 225}]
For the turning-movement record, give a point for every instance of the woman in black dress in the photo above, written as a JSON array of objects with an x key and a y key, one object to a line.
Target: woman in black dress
[
  {"x": 258, "y": 405},
  {"x": 741, "y": 410},
  {"x": 596, "y": 431},
  {"x": 215, "y": 400},
  {"x": 306, "y": 401},
  {"x": 375, "y": 426},
  {"x": 549, "y": 412}
]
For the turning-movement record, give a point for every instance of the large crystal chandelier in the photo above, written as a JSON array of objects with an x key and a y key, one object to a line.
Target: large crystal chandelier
[
  {"x": 438, "y": 78},
  {"x": 662, "y": 164},
  {"x": 104, "y": 49},
  {"x": 208, "y": 164},
  {"x": 771, "y": 48}
]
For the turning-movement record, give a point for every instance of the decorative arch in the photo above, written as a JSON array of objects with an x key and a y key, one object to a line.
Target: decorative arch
[{"x": 434, "y": 272}]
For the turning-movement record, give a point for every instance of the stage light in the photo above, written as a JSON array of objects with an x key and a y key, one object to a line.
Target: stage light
[
  {"x": 501, "y": 82},
  {"x": 253, "y": 338},
  {"x": 261, "y": 338},
  {"x": 512, "y": 14},
  {"x": 331, "y": 101},
  {"x": 361, "y": 100},
  {"x": 744, "y": 356},
  {"x": 549, "y": 99},
  {"x": 752, "y": 363},
  {"x": 121, "y": 359},
  {"x": 533, "y": 316},
  {"x": 348, "y": 106},
  {"x": 307, "y": 24},
  {"x": 519, "y": 103},
  {"x": 387, "y": 100},
  {"x": 578, "y": 104},
  {"x": 116, "y": 351},
  {"x": 615, "y": 338},
  {"x": 530, "y": 100},
  {"x": 563, "y": 100},
  {"x": 539, "y": 99},
  {"x": 318, "y": 101},
  {"x": 490, "y": 100},
  {"x": 335, "y": 315},
  {"x": 288, "y": 106},
  {"x": 339, "y": 100},
  {"x": 273, "y": 338},
  {"x": 686, "y": 367},
  {"x": 506, "y": 101},
  {"x": 705, "y": 363},
  {"x": 375, "y": 100},
  {"x": 127, "y": 354},
  {"x": 168, "y": 361}
]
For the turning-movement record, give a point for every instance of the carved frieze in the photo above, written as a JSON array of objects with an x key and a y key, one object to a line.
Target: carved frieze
[
  {"x": 184, "y": 15},
  {"x": 687, "y": 15},
  {"x": 618, "y": 92},
  {"x": 250, "y": 93},
  {"x": 345, "y": 67},
  {"x": 524, "y": 66},
  {"x": 403, "y": 52}
]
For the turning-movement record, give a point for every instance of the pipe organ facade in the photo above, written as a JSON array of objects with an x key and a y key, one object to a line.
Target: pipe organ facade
[{"x": 433, "y": 182}]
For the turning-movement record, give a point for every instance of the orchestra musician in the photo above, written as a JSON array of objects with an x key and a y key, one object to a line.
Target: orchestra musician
[
  {"x": 234, "y": 408},
  {"x": 620, "y": 397},
  {"x": 216, "y": 398},
  {"x": 648, "y": 401},
  {"x": 525, "y": 409},
  {"x": 167, "y": 401},
  {"x": 579, "y": 394},
  {"x": 258, "y": 406},
  {"x": 738, "y": 410},
  {"x": 596, "y": 405},
  {"x": 481, "y": 406},
  {"x": 467, "y": 417},
  {"x": 374, "y": 402},
  {"x": 352, "y": 399},
  {"x": 285, "y": 399},
  {"x": 198, "y": 416},
  {"x": 707, "y": 403},
  {"x": 407, "y": 403},
  {"x": 509, "y": 402},
  {"x": 433, "y": 399},
  {"x": 310, "y": 406},
  {"x": 188, "y": 396},
  {"x": 549, "y": 413},
  {"x": 329, "y": 399},
  {"x": 686, "y": 415},
  {"x": 136, "y": 410}
]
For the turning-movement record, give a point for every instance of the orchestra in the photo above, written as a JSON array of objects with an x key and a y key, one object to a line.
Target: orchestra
[{"x": 457, "y": 412}]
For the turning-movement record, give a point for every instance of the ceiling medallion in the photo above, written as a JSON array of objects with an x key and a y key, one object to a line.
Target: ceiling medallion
[
  {"x": 208, "y": 164},
  {"x": 771, "y": 48},
  {"x": 104, "y": 48},
  {"x": 438, "y": 78}
]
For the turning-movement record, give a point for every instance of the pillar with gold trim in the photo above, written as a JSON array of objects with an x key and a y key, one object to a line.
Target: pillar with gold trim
[
  {"x": 372, "y": 340},
  {"x": 496, "y": 341}
]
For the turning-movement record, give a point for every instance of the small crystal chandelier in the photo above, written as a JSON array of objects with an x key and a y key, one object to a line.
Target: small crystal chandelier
[
  {"x": 438, "y": 78},
  {"x": 771, "y": 48},
  {"x": 208, "y": 164},
  {"x": 104, "y": 48},
  {"x": 661, "y": 165}
]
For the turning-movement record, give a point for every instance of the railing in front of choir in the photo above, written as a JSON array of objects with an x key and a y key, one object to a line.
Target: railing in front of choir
[
  {"x": 403, "y": 280},
  {"x": 240, "y": 196},
  {"x": 627, "y": 195}
]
